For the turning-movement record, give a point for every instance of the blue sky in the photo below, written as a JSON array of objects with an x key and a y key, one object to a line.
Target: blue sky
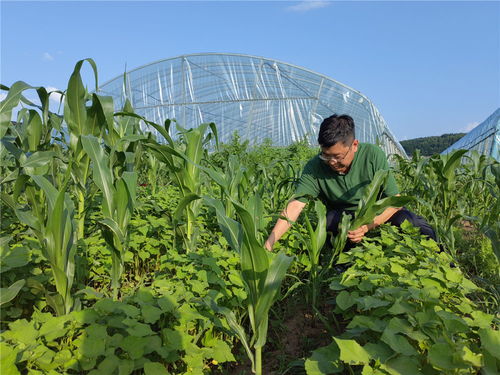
[{"x": 429, "y": 67}]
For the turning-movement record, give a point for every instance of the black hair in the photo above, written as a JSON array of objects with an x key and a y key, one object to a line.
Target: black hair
[{"x": 336, "y": 129}]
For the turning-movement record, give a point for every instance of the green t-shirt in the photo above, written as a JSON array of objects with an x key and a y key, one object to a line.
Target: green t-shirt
[{"x": 336, "y": 190}]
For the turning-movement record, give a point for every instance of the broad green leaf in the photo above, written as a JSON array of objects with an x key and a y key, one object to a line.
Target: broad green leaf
[
  {"x": 345, "y": 300},
  {"x": 14, "y": 257},
  {"x": 134, "y": 346},
  {"x": 22, "y": 331},
  {"x": 453, "y": 275},
  {"x": 471, "y": 357},
  {"x": 125, "y": 367},
  {"x": 402, "y": 365},
  {"x": 154, "y": 368},
  {"x": 396, "y": 268},
  {"x": 108, "y": 365},
  {"x": 452, "y": 322},
  {"x": 324, "y": 361},
  {"x": 8, "y": 294},
  {"x": 398, "y": 343},
  {"x": 490, "y": 340},
  {"x": 370, "y": 302},
  {"x": 54, "y": 328},
  {"x": 8, "y": 359},
  {"x": 379, "y": 351},
  {"x": 491, "y": 366},
  {"x": 222, "y": 352},
  {"x": 481, "y": 319},
  {"x": 441, "y": 356},
  {"x": 150, "y": 313},
  {"x": 369, "y": 322},
  {"x": 352, "y": 353},
  {"x": 139, "y": 329},
  {"x": 173, "y": 340}
]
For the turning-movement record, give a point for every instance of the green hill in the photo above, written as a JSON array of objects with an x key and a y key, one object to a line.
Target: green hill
[{"x": 431, "y": 145}]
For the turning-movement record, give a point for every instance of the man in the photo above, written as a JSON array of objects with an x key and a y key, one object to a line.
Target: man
[{"x": 337, "y": 176}]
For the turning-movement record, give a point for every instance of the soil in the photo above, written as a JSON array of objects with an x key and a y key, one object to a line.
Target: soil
[{"x": 291, "y": 340}]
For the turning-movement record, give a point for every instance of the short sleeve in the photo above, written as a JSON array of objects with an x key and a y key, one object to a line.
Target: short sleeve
[{"x": 307, "y": 187}]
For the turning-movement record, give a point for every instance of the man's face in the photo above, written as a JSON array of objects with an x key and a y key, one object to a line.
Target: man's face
[{"x": 339, "y": 156}]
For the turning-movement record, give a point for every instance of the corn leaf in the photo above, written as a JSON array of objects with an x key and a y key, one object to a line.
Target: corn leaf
[
  {"x": 9, "y": 103},
  {"x": 274, "y": 277},
  {"x": 230, "y": 228},
  {"x": 236, "y": 328},
  {"x": 34, "y": 130},
  {"x": 103, "y": 176}
]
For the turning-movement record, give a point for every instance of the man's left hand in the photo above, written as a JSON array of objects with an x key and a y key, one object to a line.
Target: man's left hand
[{"x": 357, "y": 235}]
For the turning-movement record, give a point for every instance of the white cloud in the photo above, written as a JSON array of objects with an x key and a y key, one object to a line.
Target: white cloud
[
  {"x": 47, "y": 56},
  {"x": 305, "y": 6},
  {"x": 470, "y": 126},
  {"x": 3, "y": 95},
  {"x": 55, "y": 96}
]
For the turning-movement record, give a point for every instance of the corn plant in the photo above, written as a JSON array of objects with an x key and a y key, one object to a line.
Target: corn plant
[
  {"x": 261, "y": 271},
  {"x": 488, "y": 222},
  {"x": 314, "y": 244},
  {"x": 118, "y": 204},
  {"x": 442, "y": 175},
  {"x": 368, "y": 207},
  {"x": 84, "y": 120},
  {"x": 183, "y": 159},
  {"x": 42, "y": 182},
  {"x": 52, "y": 221}
]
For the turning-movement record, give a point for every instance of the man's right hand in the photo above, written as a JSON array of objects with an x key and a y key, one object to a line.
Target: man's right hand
[{"x": 292, "y": 212}]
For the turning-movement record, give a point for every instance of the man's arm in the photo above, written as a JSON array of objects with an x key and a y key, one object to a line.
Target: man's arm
[{"x": 291, "y": 212}]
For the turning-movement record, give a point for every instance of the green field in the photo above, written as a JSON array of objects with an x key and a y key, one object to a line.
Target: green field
[{"x": 124, "y": 255}]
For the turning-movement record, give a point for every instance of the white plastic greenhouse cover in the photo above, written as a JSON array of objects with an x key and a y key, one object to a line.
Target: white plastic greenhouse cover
[
  {"x": 484, "y": 138},
  {"x": 258, "y": 97}
]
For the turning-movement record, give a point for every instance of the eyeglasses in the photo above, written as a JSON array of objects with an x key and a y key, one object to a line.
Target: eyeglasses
[{"x": 333, "y": 158}]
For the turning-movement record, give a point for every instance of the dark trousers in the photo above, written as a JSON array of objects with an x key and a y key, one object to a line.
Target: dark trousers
[{"x": 333, "y": 218}]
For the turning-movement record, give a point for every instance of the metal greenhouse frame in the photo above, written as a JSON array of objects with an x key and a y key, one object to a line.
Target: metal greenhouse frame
[
  {"x": 484, "y": 138},
  {"x": 259, "y": 98}
]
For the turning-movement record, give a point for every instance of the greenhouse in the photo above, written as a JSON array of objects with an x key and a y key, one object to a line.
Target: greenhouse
[
  {"x": 484, "y": 138},
  {"x": 257, "y": 97}
]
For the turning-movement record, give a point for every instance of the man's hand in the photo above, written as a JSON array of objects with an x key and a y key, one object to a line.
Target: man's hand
[
  {"x": 268, "y": 246},
  {"x": 357, "y": 235}
]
